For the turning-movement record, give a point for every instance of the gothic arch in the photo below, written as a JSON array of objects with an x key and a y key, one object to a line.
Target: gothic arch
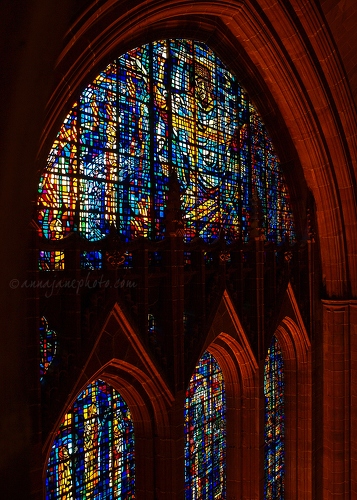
[
  {"x": 242, "y": 375},
  {"x": 241, "y": 383},
  {"x": 288, "y": 64},
  {"x": 144, "y": 391},
  {"x": 228, "y": 343},
  {"x": 144, "y": 480},
  {"x": 294, "y": 74},
  {"x": 296, "y": 350},
  {"x": 147, "y": 433}
]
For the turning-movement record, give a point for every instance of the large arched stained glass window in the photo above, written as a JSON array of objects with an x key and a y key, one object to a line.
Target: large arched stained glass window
[
  {"x": 205, "y": 432},
  {"x": 170, "y": 105},
  {"x": 93, "y": 452},
  {"x": 274, "y": 423}
]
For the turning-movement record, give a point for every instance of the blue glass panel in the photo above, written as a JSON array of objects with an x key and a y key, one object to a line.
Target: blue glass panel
[{"x": 91, "y": 260}]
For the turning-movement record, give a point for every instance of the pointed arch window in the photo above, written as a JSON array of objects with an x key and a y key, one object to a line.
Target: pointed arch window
[
  {"x": 93, "y": 451},
  {"x": 168, "y": 106},
  {"x": 205, "y": 432},
  {"x": 274, "y": 431}
]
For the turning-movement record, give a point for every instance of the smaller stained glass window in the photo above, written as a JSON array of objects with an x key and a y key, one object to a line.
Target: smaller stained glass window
[
  {"x": 274, "y": 423},
  {"x": 128, "y": 262},
  {"x": 51, "y": 261},
  {"x": 187, "y": 258},
  {"x": 48, "y": 346},
  {"x": 93, "y": 451},
  {"x": 91, "y": 260},
  {"x": 205, "y": 432},
  {"x": 155, "y": 259},
  {"x": 151, "y": 324}
]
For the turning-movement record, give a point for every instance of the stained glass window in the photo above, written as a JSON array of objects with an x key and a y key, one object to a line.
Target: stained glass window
[
  {"x": 48, "y": 346},
  {"x": 51, "y": 261},
  {"x": 151, "y": 325},
  {"x": 91, "y": 260},
  {"x": 205, "y": 432},
  {"x": 168, "y": 105},
  {"x": 93, "y": 451},
  {"x": 274, "y": 423}
]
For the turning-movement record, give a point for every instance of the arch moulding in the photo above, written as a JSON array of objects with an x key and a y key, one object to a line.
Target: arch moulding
[
  {"x": 283, "y": 54},
  {"x": 119, "y": 358}
]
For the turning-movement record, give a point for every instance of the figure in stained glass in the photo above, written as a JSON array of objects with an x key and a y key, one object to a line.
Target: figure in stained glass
[
  {"x": 90, "y": 440},
  {"x": 64, "y": 474}
]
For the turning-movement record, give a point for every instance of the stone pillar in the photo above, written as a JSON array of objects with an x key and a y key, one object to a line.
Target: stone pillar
[
  {"x": 31, "y": 33},
  {"x": 339, "y": 398}
]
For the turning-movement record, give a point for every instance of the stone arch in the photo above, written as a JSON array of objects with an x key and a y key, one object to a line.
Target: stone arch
[
  {"x": 241, "y": 375},
  {"x": 148, "y": 420},
  {"x": 289, "y": 65},
  {"x": 139, "y": 383},
  {"x": 141, "y": 423},
  {"x": 296, "y": 350}
]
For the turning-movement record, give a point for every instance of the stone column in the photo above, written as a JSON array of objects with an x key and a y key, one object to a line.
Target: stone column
[{"x": 339, "y": 398}]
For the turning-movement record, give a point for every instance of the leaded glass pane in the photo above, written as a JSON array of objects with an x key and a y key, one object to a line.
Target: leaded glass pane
[
  {"x": 51, "y": 260},
  {"x": 168, "y": 105},
  {"x": 93, "y": 451},
  {"x": 274, "y": 423},
  {"x": 205, "y": 432}
]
